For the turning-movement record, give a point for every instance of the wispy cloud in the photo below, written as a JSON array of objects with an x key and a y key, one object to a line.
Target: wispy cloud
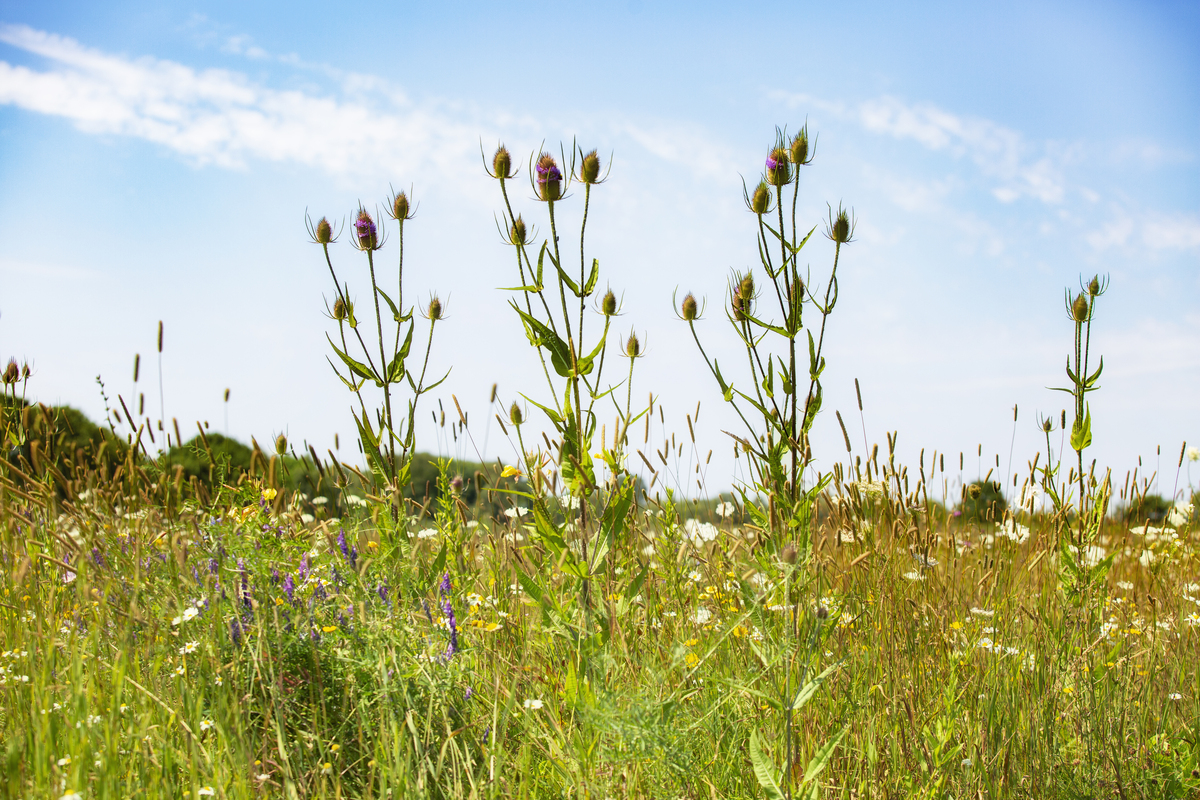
[{"x": 222, "y": 117}]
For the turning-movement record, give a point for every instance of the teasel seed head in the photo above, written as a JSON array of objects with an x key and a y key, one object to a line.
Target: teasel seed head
[
  {"x": 280, "y": 444},
  {"x": 514, "y": 414},
  {"x": 401, "y": 208},
  {"x": 434, "y": 311},
  {"x": 549, "y": 178},
  {"x": 1096, "y": 287},
  {"x": 746, "y": 285},
  {"x": 589, "y": 170},
  {"x": 324, "y": 232},
  {"x": 790, "y": 553},
  {"x": 779, "y": 170},
  {"x": 1079, "y": 308},
  {"x": 518, "y": 234},
  {"x": 12, "y": 373},
  {"x": 339, "y": 309},
  {"x": 841, "y": 227},
  {"x": 799, "y": 148},
  {"x": 609, "y": 304},
  {"x": 25, "y": 373},
  {"x": 364, "y": 229},
  {"x": 502, "y": 164},
  {"x": 760, "y": 201},
  {"x": 456, "y": 483},
  {"x": 633, "y": 348},
  {"x": 740, "y": 306},
  {"x": 689, "y": 310}
]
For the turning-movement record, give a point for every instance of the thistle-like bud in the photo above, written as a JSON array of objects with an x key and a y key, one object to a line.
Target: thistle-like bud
[
  {"x": 12, "y": 373},
  {"x": 1047, "y": 425},
  {"x": 790, "y": 553},
  {"x": 339, "y": 309},
  {"x": 549, "y": 178},
  {"x": 364, "y": 228},
  {"x": 689, "y": 309},
  {"x": 324, "y": 232},
  {"x": 760, "y": 201},
  {"x": 1094, "y": 286},
  {"x": 281, "y": 445},
  {"x": 401, "y": 209},
  {"x": 514, "y": 415},
  {"x": 1079, "y": 308},
  {"x": 746, "y": 286},
  {"x": 517, "y": 233},
  {"x": 435, "y": 309},
  {"x": 633, "y": 348},
  {"x": 502, "y": 163},
  {"x": 799, "y": 148},
  {"x": 841, "y": 229},
  {"x": 609, "y": 304},
  {"x": 779, "y": 171},
  {"x": 822, "y": 613},
  {"x": 974, "y": 491},
  {"x": 740, "y": 306},
  {"x": 25, "y": 372},
  {"x": 589, "y": 170},
  {"x": 456, "y": 483}
]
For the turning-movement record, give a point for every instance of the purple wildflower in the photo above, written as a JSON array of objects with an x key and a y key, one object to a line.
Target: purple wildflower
[
  {"x": 213, "y": 566},
  {"x": 469, "y": 693},
  {"x": 341, "y": 541},
  {"x": 382, "y": 591},
  {"x": 235, "y": 630},
  {"x": 364, "y": 228},
  {"x": 353, "y": 558},
  {"x": 289, "y": 588},
  {"x": 444, "y": 587},
  {"x": 245, "y": 582},
  {"x": 97, "y": 557},
  {"x": 274, "y": 576},
  {"x": 452, "y": 624},
  {"x": 303, "y": 571}
]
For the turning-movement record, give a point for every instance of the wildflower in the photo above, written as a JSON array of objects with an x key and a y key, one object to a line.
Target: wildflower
[
  {"x": 533, "y": 703},
  {"x": 515, "y": 512},
  {"x": 608, "y": 306},
  {"x": 760, "y": 201},
  {"x": 324, "y": 234},
  {"x": 327, "y": 768},
  {"x": 124, "y": 708},
  {"x": 633, "y": 347},
  {"x": 180, "y": 671},
  {"x": 206, "y": 724},
  {"x": 914, "y": 576},
  {"x": 549, "y": 178},
  {"x": 967, "y": 762},
  {"x": 510, "y": 471},
  {"x": 799, "y": 148},
  {"x": 206, "y": 791},
  {"x": 841, "y": 227},
  {"x": 700, "y": 533},
  {"x": 65, "y": 761},
  {"x": 190, "y": 647},
  {"x": 689, "y": 309},
  {"x": 589, "y": 170},
  {"x": 270, "y": 494},
  {"x": 71, "y": 794},
  {"x": 219, "y": 681},
  {"x": 1175, "y": 696},
  {"x": 502, "y": 164},
  {"x": 724, "y": 510},
  {"x": 189, "y": 613},
  {"x": 434, "y": 311},
  {"x": 779, "y": 171},
  {"x": 364, "y": 229},
  {"x": 401, "y": 208},
  {"x": 427, "y": 533},
  {"x": 702, "y": 616}
]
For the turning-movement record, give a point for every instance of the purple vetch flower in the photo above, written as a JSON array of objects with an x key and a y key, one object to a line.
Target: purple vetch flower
[
  {"x": 452, "y": 624},
  {"x": 213, "y": 566},
  {"x": 274, "y": 576},
  {"x": 341, "y": 542},
  {"x": 486, "y": 731},
  {"x": 245, "y": 582},
  {"x": 97, "y": 557},
  {"x": 289, "y": 588},
  {"x": 425, "y": 608},
  {"x": 303, "y": 571},
  {"x": 235, "y": 630},
  {"x": 382, "y": 591},
  {"x": 353, "y": 558},
  {"x": 444, "y": 586},
  {"x": 469, "y": 693}
]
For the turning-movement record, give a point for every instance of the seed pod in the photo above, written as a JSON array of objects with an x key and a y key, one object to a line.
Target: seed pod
[
  {"x": 1079, "y": 308},
  {"x": 790, "y": 553},
  {"x": 324, "y": 232},
  {"x": 400, "y": 207},
  {"x": 435, "y": 309},
  {"x": 799, "y": 148},
  {"x": 502, "y": 163},
  {"x": 281, "y": 444},
  {"x": 633, "y": 348},
  {"x": 1094, "y": 286},
  {"x": 339, "y": 309},
  {"x": 760, "y": 202},
  {"x": 689, "y": 309},
  {"x": 12, "y": 372},
  {"x": 841, "y": 229},
  {"x": 589, "y": 170},
  {"x": 609, "y": 304},
  {"x": 517, "y": 232},
  {"x": 514, "y": 415}
]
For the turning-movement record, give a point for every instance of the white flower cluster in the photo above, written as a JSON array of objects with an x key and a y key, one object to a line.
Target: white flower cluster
[{"x": 700, "y": 533}]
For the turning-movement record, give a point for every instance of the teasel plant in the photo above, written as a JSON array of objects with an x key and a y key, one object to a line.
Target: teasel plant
[
  {"x": 778, "y": 412},
  {"x": 552, "y": 303},
  {"x": 785, "y": 394},
  {"x": 387, "y": 434}
]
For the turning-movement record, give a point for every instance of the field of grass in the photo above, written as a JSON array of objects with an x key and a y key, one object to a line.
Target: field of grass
[{"x": 210, "y": 620}]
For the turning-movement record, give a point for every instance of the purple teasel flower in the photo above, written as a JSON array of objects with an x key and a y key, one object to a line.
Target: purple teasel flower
[
  {"x": 364, "y": 229},
  {"x": 289, "y": 588}
]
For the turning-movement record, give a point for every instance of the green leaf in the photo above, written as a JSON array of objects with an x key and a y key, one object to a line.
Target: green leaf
[
  {"x": 636, "y": 586},
  {"x": 803, "y": 241},
  {"x": 822, "y": 757},
  {"x": 407, "y": 342},
  {"x": 764, "y": 769},
  {"x": 809, "y": 689},
  {"x": 768, "y": 381},
  {"x": 550, "y": 412},
  {"x": 1081, "y": 432},
  {"x": 1095, "y": 375},
  {"x": 357, "y": 367},
  {"x": 542, "y": 336},
  {"x": 396, "y": 315},
  {"x": 590, "y": 286}
]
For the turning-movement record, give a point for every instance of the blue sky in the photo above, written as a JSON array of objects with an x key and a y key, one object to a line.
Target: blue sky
[{"x": 157, "y": 161}]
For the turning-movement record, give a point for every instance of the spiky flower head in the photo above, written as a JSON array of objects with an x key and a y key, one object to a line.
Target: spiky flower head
[
  {"x": 339, "y": 309},
  {"x": 1093, "y": 286},
  {"x": 456, "y": 483},
  {"x": 401, "y": 208},
  {"x": 434, "y": 312},
  {"x": 12, "y": 373},
  {"x": 549, "y": 178},
  {"x": 740, "y": 306},
  {"x": 280, "y": 444},
  {"x": 502, "y": 164},
  {"x": 799, "y": 148},
  {"x": 515, "y": 416},
  {"x": 25, "y": 371},
  {"x": 790, "y": 553},
  {"x": 364, "y": 229},
  {"x": 1047, "y": 425},
  {"x": 840, "y": 227},
  {"x": 633, "y": 348},
  {"x": 517, "y": 234},
  {"x": 324, "y": 232},
  {"x": 746, "y": 285},
  {"x": 779, "y": 170},
  {"x": 689, "y": 310},
  {"x": 609, "y": 304},
  {"x": 589, "y": 170},
  {"x": 760, "y": 201},
  {"x": 1079, "y": 308}
]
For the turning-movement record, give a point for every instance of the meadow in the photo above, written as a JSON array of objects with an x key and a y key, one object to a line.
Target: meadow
[{"x": 191, "y": 619}]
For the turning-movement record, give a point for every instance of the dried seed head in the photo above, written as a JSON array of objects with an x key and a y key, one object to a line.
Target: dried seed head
[
  {"x": 339, "y": 309},
  {"x": 364, "y": 228},
  {"x": 974, "y": 491},
  {"x": 822, "y": 613},
  {"x": 689, "y": 310},
  {"x": 281, "y": 444},
  {"x": 514, "y": 415},
  {"x": 502, "y": 163},
  {"x": 1094, "y": 286},
  {"x": 25, "y": 372},
  {"x": 740, "y": 306},
  {"x": 435, "y": 309},
  {"x": 589, "y": 170},
  {"x": 841, "y": 227},
  {"x": 400, "y": 207},
  {"x": 760, "y": 201},
  {"x": 1047, "y": 425},
  {"x": 746, "y": 285},
  {"x": 633, "y": 348},
  {"x": 790, "y": 553},
  {"x": 549, "y": 178},
  {"x": 517, "y": 233},
  {"x": 324, "y": 232},
  {"x": 609, "y": 304},
  {"x": 799, "y": 148},
  {"x": 779, "y": 170},
  {"x": 12, "y": 373},
  {"x": 1079, "y": 308}
]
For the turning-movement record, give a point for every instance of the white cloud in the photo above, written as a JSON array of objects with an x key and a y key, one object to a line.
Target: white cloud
[
  {"x": 1179, "y": 232},
  {"x": 222, "y": 117}
]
